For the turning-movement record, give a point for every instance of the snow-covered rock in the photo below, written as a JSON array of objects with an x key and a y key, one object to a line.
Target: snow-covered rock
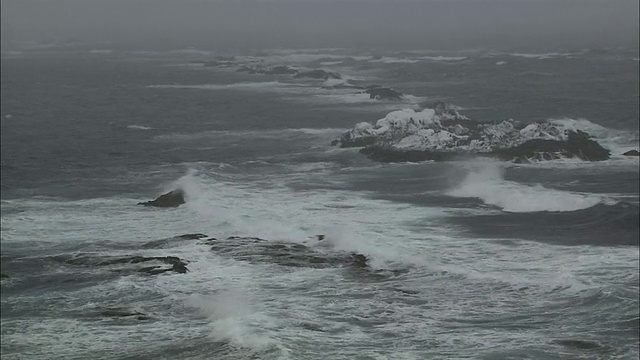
[{"x": 440, "y": 132}]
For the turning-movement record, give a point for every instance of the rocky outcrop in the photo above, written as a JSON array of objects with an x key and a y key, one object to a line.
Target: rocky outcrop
[
  {"x": 257, "y": 250},
  {"x": 632, "y": 153},
  {"x": 159, "y": 244},
  {"x": 382, "y": 93},
  {"x": 578, "y": 144},
  {"x": 173, "y": 198},
  {"x": 441, "y": 133},
  {"x": 151, "y": 265},
  {"x": 123, "y": 313},
  {"x": 318, "y": 74}
]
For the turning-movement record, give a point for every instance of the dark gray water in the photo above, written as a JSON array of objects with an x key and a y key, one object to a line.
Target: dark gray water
[{"x": 466, "y": 260}]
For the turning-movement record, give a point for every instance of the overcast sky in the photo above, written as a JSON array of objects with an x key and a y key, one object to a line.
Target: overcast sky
[{"x": 427, "y": 24}]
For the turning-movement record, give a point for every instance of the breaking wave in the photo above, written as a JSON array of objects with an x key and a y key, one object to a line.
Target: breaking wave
[{"x": 488, "y": 184}]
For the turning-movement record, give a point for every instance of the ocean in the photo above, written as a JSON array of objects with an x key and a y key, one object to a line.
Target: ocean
[{"x": 297, "y": 249}]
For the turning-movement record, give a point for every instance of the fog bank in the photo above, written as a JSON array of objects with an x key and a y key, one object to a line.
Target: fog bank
[{"x": 458, "y": 24}]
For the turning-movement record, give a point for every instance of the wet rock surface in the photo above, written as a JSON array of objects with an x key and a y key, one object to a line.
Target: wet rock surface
[
  {"x": 383, "y": 93},
  {"x": 257, "y": 250},
  {"x": 441, "y": 133},
  {"x": 150, "y": 265},
  {"x": 173, "y": 198}
]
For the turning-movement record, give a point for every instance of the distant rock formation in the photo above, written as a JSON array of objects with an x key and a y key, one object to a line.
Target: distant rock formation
[
  {"x": 382, "y": 93},
  {"x": 441, "y": 133},
  {"x": 318, "y": 74},
  {"x": 173, "y": 198},
  {"x": 632, "y": 153}
]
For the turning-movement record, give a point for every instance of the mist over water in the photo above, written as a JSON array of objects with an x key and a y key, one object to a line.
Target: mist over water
[{"x": 215, "y": 24}]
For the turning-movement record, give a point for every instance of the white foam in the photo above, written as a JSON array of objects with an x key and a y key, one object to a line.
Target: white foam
[
  {"x": 444, "y": 58},
  {"x": 240, "y": 85},
  {"x": 394, "y": 60},
  {"x": 501, "y": 63},
  {"x": 232, "y": 318},
  {"x": 320, "y": 131},
  {"x": 101, "y": 51},
  {"x": 300, "y": 57},
  {"x": 488, "y": 184},
  {"x": 139, "y": 127},
  {"x": 542, "y": 56},
  {"x": 255, "y": 308},
  {"x": 191, "y": 52},
  {"x": 334, "y": 82}
]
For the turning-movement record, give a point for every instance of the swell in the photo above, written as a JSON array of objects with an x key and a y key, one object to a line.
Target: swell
[{"x": 600, "y": 225}]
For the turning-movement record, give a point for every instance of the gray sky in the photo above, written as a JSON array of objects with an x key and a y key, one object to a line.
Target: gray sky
[{"x": 427, "y": 24}]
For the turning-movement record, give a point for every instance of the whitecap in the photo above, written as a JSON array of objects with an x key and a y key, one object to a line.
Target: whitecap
[{"x": 139, "y": 127}]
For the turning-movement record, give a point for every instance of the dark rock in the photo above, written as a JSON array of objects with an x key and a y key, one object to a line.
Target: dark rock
[
  {"x": 123, "y": 313},
  {"x": 173, "y": 198},
  {"x": 578, "y": 144},
  {"x": 312, "y": 327},
  {"x": 579, "y": 344},
  {"x": 406, "y": 292},
  {"x": 195, "y": 236},
  {"x": 256, "y": 250},
  {"x": 359, "y": 260},
  {"x": 4, "y": 276},
  {"x": 383, "y": 93},
  {"x": 632, "y": 153},
  {"x": 318, "y": 74},
  {"x": 158, "y": 244},
  {"x": 177, "y": 265}
]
